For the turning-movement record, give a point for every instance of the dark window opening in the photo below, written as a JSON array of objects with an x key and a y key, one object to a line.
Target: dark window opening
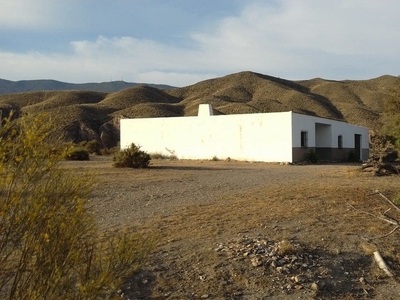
[
  {"x": 304, "y": 139},
  {"x": 340, "y": 141}
]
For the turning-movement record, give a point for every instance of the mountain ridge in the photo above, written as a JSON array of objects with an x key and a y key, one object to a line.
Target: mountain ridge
[
  {"x": 21, "y": 86},
  {"x": 87, "y": 115}
]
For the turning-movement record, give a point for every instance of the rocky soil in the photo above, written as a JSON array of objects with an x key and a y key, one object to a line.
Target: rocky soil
[{"x": 237, "y": 230}]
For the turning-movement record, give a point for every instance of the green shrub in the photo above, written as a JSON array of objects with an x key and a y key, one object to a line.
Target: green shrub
[
  {"x": 131, "y": 157},
  {"x": 76, "y": 153},
  {"x": 50, "y": 247},
  {"x": 94, "y": 147}
]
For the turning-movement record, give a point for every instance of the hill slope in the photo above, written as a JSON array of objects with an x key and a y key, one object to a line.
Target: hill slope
[{"x": 85, "y": 115}]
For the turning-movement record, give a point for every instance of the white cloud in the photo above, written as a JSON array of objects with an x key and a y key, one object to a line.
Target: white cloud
[
  {"x": 293, "y": 39},
  {"x": 27, "y": 14},
  {"x": 294, "y": 35},
  {"x": 107, "y": 59},
  {"x": 173, "y": 78}
]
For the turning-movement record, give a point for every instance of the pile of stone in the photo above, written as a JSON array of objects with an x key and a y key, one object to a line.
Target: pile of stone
[{"x": 283, "y": 258}]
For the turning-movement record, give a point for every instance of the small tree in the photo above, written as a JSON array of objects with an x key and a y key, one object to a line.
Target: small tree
[
  {"x": 49, "y": 244},
  {"x": 131, "y": 157}
]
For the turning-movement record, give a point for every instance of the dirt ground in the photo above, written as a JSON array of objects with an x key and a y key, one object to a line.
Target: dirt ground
[{"x": 240, "y": 230}]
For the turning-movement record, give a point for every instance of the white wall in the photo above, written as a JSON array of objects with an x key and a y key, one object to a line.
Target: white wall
[
  {"x": 302, "y": 123},
  {"x": 251, "y": 137},
  {"x": 265, "y": 137},
  {"x": 307, "y": 123}
]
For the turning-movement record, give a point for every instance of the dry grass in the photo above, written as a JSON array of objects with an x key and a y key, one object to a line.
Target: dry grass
[{"x": 193, "y": 207}]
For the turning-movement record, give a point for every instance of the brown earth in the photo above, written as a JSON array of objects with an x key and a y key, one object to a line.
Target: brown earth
[{"x": 215, "y": 218}]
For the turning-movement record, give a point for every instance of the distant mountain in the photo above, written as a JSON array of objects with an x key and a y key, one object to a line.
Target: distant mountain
[
  {"x": 8, "y": 87},
  {"x": 87, "y": 115}
]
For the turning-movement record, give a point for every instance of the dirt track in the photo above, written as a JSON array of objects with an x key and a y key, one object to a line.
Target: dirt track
[{"x": 197, "y": 205}]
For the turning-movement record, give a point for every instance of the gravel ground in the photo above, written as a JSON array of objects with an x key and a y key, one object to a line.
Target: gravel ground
[
  {"x": 213, "y": 216},
  {"x": 134, "y": 196}
]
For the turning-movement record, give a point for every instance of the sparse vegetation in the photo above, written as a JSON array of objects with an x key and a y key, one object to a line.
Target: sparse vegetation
[
  {"x": 93, "y": 147},
  {"x": 76, "y": 153},
  {"x": 50, "y": 247},
  {"x": 131, "y": 157},
  {"x": 172, "y": 157},
  {"x": 163, "y": 156},
  {"x": 158, "y": 156}
]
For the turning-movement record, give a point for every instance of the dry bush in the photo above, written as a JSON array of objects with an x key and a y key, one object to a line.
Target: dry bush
[
  {"x": 93, "y": 146},
  {"x": 76, "y": 153},
  {"x": 131, "y": 157},
  {"x": 49, "y": 244},
  {"x": 158, "y": 155}
]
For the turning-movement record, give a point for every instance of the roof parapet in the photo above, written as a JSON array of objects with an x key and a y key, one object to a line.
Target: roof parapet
[{"x": 205, "y": 110}]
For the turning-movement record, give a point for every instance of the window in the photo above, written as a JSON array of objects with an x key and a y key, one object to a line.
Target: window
[
  {"x": 304, "y": 139},
  {"x": 340, "y": 141}
]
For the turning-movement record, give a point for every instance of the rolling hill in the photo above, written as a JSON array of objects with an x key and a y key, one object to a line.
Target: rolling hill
[{"x": 87, "y": 115}]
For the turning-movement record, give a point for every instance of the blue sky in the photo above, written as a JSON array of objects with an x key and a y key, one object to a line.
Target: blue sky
[{"x": 181, "y": 42}]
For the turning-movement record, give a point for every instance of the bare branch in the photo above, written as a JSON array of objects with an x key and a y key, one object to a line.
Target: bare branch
[
  {"x": 389, "y": 201},
  {"x": 377, "y": 192},
  {"x": 391, "y": 221},
  {"x": 386, "y": 211},
  {"x": 382, "y": 264},
  {"x": 381, "y": 236}
]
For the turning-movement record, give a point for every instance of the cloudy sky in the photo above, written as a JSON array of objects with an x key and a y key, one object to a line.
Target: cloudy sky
[{"x": 181, "y": 42}]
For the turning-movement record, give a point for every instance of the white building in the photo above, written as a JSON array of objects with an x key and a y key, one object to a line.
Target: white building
[{"x": 266, "y": 137}]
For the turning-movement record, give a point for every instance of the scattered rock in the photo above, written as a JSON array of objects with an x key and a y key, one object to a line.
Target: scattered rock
[
  {"x": 256, "y": 261},
  {"x": 300, "y": 278},
  {"x": 314, "y": 286},
  {"x": 262, "y": 252},
  {"x": 298, "y": 287}
]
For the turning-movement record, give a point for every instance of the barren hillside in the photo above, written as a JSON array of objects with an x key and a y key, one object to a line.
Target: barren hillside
[{"x": 84, "y": 115}]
